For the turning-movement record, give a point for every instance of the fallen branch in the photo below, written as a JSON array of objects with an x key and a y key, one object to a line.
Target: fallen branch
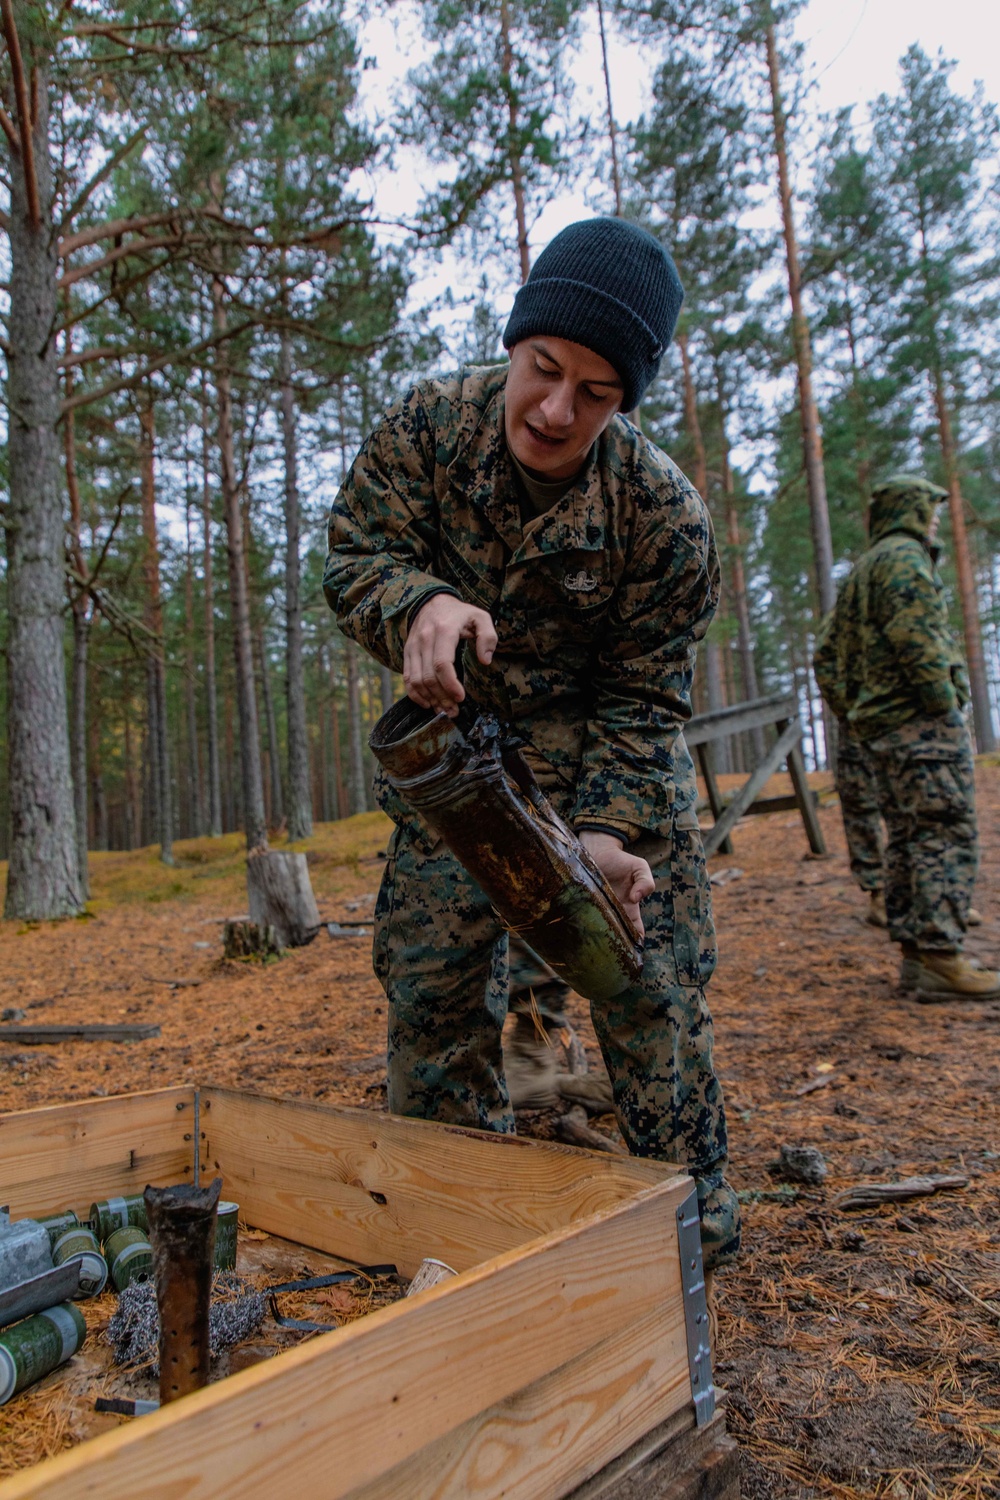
[
  {"x": 35, "y": 1036},
  {"x": 872, "y": 1194}
]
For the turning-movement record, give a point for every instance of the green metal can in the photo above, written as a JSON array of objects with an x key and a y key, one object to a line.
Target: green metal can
[
  {"x": 37, "y": 1345},
  {"x": 130, "y": 1256},
  {"x": 57, "y": 1224},
  {"x": 81, "y": 1244},
  {"x": 226, "y": 1232},
  {"x": 109, "y": 1214}
]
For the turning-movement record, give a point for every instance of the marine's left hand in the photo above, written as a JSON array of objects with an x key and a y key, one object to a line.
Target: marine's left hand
[{"x": 630, "y": 877}]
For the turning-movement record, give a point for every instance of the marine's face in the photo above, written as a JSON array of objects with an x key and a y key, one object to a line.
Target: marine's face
[
  {"x": 559, "y": 399},
  {"x": 935, "y": 522}
]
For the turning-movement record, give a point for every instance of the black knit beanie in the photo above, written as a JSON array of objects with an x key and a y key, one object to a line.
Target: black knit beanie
[{"x": 609, "y": 286}]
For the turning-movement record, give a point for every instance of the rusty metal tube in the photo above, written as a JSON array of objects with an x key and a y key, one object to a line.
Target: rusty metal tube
[
  {"x": 479, "y": 795},
  {"x": 182, "y": 1233}
]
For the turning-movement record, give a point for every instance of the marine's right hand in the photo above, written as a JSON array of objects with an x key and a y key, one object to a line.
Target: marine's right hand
[{"x": 431, "y": 643}]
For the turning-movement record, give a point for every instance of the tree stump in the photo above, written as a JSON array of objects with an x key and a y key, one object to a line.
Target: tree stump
[
  {"x": 281, "y": 896},
  {"x": 243, "y": 939}
]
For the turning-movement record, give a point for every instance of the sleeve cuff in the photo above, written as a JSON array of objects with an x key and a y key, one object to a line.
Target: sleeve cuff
[{"x": 938, "y": 698}]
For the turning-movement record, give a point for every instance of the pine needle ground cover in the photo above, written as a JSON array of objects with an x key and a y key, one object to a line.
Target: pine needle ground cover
[{"x": 861, "y": 1350}]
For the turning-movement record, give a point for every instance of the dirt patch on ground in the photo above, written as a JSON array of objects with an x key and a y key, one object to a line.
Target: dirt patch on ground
[{"x": 861, "y": 1351}]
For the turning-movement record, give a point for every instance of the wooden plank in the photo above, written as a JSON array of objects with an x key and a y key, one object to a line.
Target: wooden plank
[
  {"x": 68, "y": 1155},
  {"x": 334, "y": 1414},
  {"x": 748, "y": 791},
  {"x": 805, "y": 801},
  {"x": 700, "y": 1463},
  {"x": 552, "y": 1436},
  {"x": 765, "y": 805},
  {"x": 755, "y": 714},
  {"x": 34, "y": 1036},
  {"x": 715, "y": 801},
  {"x": 379, "y": 1187}
]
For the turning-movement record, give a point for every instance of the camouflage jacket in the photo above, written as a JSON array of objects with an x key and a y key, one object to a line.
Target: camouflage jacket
[
  {"x": 598, "y": 603},
  {"x": 886, "y": 653}
]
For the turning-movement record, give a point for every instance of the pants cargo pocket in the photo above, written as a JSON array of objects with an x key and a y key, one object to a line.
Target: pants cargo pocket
[{"x": 694, "y": 930}]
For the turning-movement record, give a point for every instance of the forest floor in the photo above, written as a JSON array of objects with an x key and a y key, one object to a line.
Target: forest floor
[{"x": 860, "y": 1350}]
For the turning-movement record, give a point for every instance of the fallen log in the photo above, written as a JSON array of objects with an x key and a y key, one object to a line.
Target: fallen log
[{"x": 35, "y": 1036}]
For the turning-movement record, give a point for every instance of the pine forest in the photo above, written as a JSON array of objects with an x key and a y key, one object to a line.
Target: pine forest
[{"x": 212, "y": 287}]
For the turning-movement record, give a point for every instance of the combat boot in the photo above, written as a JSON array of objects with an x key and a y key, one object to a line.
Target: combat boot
[
  {"x": 952, "y": 976},
  {"x": 909, "y": 969},
  {"x": 974, "y": 918},
  {"x": 875, "y": 916}
]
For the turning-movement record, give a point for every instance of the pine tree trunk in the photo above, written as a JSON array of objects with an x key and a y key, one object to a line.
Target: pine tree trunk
[
  {"x": 254, "y": 820},
  {"x": 159, "y": 743},
  {"x": 699, "y": 476},
  {"x": 386, "y": 691},
  {"x": 43, "y": 878},
  {"x": 737, "y": 579},
  {"x": 356, "y": 754},
  {"x": 514, "y": 145},
  {"x": 300, "y": 816},
  {"x": 99, "y": 803},
  {"x": 79, "y": 605},
  {"x": 812, "y": 445},
  {"x": 715, "y": 692},
  {"x": 195, "y": 799},
  {"x": 132, "y": 816},
  {"x": 273, "y": 753},
  {"x": 616, "y": 180},
  {"x": 967, "y": 591},
  {"x": 211, "y": 697}
]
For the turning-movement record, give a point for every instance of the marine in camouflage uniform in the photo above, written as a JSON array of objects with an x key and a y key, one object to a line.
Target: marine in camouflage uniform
[
  {"x": 889, "y": 665},
  {"x": 598, "y": 604}
]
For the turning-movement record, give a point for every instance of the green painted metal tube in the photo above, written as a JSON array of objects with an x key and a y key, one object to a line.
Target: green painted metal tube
[
  {"x": 130, "y": 1256},
  {"x": 80, "y": 1244},
  {"x": 109, "y": 1214},
  {"x": 31, "y": 1349},
  {"x": 57, "y": 1224}
]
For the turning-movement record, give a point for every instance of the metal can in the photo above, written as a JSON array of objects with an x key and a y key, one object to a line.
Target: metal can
[
  {"x": 226, "y": 1232},
  {"x": 109, "y": 1214},
  {"x": 25, "y": 1252},
  {"x": 37, "y": 1345},
  {"x": 130, "y": 1256},
  {"x": 57, "y": 1224},
  {"x": 81, "y": 1244}
]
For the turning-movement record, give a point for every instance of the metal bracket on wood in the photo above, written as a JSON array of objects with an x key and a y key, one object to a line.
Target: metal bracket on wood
[
  {"x": 695, "y": 1309},
  {"x": 197, "y": 1137}
]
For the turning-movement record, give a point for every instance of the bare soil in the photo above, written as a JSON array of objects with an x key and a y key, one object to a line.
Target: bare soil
[{"x": 861, "y": 1350}]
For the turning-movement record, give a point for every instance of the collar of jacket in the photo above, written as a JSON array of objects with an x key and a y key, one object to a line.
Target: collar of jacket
[
  {"x": 482, "y": 471},
  {"x": 931, "y": 548}
]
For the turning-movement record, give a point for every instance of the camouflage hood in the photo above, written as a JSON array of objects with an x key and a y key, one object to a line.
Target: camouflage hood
[{"x": 906, "y": 502}]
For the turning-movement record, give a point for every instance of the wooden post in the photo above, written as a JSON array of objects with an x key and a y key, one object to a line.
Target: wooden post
[{"x": 712, "y": 787}]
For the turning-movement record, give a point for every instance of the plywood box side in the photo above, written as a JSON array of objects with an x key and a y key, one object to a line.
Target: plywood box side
[
  {"x": 339, "y": 1412},
  {"x": 375, "y": 1187},
  {"x": 66, "y": 1155},
  {"x": 545, "y": 1440}
]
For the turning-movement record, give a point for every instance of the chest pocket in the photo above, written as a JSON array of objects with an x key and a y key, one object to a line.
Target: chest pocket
[
  {"x": 566, "y": 597},
  {"x": 477, "y": 571}
]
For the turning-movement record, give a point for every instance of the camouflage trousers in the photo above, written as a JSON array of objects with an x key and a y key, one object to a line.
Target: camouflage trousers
[
  {"x": 857, "y": 788},
  {"x": 927, "y": 796},
  {"x": 441, "y": 956}
]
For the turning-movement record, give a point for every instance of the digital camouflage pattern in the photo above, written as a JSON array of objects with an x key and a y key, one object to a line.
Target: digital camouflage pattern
[
  {"x": 887, "y": 653},
  {"x": 441, "y": 956},
  {"x": 598, "y": 604},
  {"x": 927, "y": 795},
  {"x": 857, "y": 787}
]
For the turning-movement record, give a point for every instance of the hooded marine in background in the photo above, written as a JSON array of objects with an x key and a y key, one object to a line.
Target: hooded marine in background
[{"x": 887, "y": 664}]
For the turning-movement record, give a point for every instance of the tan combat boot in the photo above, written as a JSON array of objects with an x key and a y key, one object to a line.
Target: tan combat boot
[
  {"x": 909, "y": 969},
  {"x": 974, "y": 918},
  {"x": 952, "y": 976},
  {"x": 875, "y": 916}
]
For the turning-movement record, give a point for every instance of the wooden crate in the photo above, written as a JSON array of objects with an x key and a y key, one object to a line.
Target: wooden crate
[{"x": 556, "y": 1363}]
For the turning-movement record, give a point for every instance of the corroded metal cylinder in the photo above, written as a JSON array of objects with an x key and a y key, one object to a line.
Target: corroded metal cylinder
[
  {"x": 482, "y": 799},
  {"x": 182, "y": 1224},
  {"x": 226, "y": 1236}
]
